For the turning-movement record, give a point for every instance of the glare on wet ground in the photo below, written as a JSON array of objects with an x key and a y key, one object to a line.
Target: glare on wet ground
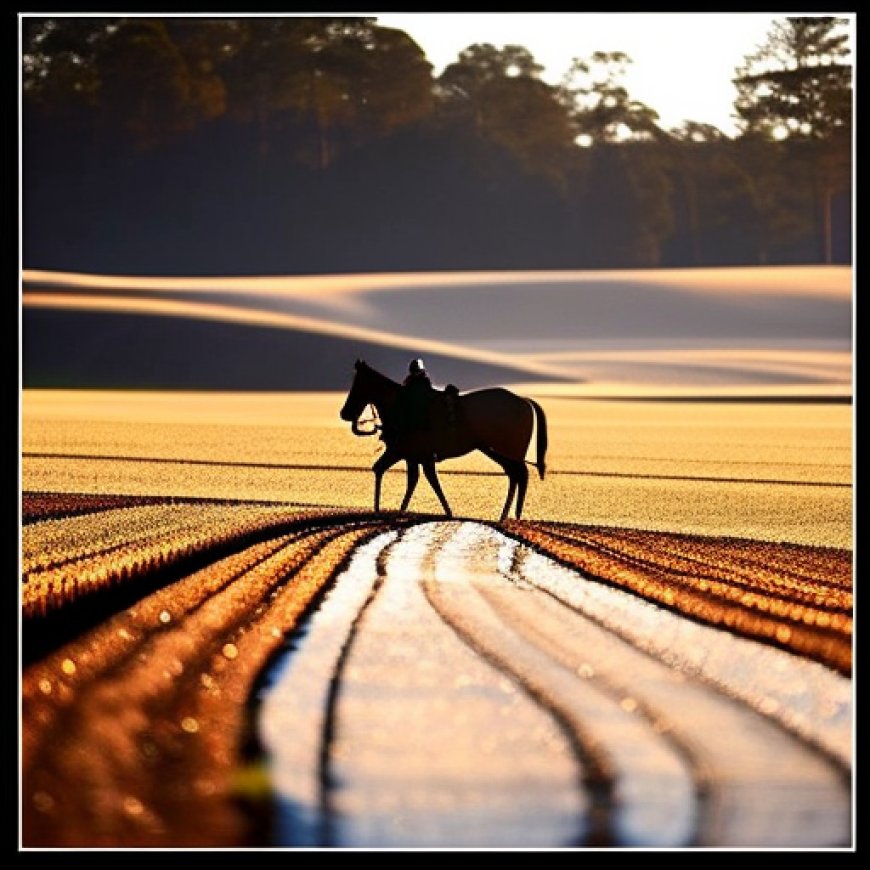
[
  {"x": 460, "y": 675},
  {"x": 430, "y": 745}
]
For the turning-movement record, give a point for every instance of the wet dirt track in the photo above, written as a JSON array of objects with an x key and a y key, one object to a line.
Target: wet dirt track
[{"x": 461, "y": 701}]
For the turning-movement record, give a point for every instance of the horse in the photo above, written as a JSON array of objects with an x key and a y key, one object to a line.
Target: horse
[{"x": 494, "y": 421}]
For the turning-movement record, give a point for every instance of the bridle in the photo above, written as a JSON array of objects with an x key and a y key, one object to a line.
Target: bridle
[{"x": 374, "y": 419}]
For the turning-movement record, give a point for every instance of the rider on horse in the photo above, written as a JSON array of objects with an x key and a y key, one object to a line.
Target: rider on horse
[
  {"x": 413, "y": 403},
  {"x": 494, "y": 421}
]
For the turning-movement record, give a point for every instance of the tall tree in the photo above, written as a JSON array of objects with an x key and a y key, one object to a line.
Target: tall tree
[
  {"x": 498, "y": 92},
  {"x": 599, "y": 104},
  {"x": 137, "y": 81},
  {"x": 149, "y": 91},
  {"x": 715, "y": 200},
  {"x": 58, "y": 76},
  {"x": 626, "y": 211},
  {"x": 798, "y": 84},
  {"x": 341, "y": 78},
  {"x": 797, "y": 89}
]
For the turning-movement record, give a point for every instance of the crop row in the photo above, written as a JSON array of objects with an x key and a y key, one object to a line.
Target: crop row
[
  {"x": 751, "y": 590},
  {"x": 37, "y": 506},
  {"x": 66, "y": 560},
  {"x": 52, "y": 543},
  {"x": 741, "y": 568},
  {"x": 167, "y": 683}
]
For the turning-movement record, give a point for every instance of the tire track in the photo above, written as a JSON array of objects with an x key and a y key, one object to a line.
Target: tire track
[
  {"x": 648, "y": 819},
  {"x": 804, "y": 697},
  {"x": 821, "y": 630},
  {"x": 300, "y": 697}
]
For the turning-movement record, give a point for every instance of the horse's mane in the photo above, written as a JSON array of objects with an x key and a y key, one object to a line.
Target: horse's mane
[{"x": 362, "y": 364}]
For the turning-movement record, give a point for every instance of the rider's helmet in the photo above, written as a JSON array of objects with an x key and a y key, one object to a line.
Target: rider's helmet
[{"x": 416, "y": 366}]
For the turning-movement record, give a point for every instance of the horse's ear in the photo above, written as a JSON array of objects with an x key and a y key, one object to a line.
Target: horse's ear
[{"x": 358, "y": 364}]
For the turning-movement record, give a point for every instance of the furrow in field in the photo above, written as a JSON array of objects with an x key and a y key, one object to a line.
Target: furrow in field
[
  {"x": 40, "y": 506},
  {"x": 135, "y": 731},
  {"x": 755, "y": 785},
  {"x": 715, "y": 587},
  {"x": 641, "y": 790},
  {"x": 77, "y": 557},
  {"x": 48, "y": 686},
  {"x": 792, "y": 787},
  {"x": 733, "y": 568},
  {"x": 530, "y": 706}
]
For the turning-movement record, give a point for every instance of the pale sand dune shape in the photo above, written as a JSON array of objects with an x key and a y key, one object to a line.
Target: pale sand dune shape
[
  {"x": 719, "y": 356},
  {"x": 796, "y": 280},
  {"x": 253, "y": 317},
  {"x": 797, "y": 303},
  {"x": 710, "y": 367},
  {"x": 707, "y": 365},
  {"x": 725, "y": 392},
  {"x": 701, "y": 328}
]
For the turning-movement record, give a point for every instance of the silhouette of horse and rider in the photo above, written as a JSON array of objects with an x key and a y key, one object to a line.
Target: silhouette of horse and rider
[{"x": 423, "y": 426}]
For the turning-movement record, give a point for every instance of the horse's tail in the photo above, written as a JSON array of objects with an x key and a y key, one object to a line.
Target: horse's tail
[{"x": 541, "y": 420}]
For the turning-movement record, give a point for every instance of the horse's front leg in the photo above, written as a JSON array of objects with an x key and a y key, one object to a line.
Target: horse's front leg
[
  {"x": 411, "y": 485},
  {"x": 388, "y": 460},
  {"x": 432, "y": 477}
]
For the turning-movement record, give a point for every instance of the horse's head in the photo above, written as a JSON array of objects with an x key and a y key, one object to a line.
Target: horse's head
[
  {"x": 356, "y": 397},
  {"x": 359, "y": 395},
  {"x": 369, "y": 387}
]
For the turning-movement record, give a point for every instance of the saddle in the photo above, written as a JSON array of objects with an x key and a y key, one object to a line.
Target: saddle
[
  {"x": 443, "y": 405},
  {"x": 450, "y": 403},
  {"x": 444, "y": 416},
  {"x": 436, "y": 421}
]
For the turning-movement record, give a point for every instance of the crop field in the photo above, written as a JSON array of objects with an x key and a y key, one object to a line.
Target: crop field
[{"x": 172, "y": 558}]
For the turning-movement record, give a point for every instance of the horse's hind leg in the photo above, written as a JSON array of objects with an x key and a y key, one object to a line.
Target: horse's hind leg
[
  {"x": 518, "y": 480},
  {"x": 521, "y": 474},
  {"x": 432, "y": 476},
  {"x": 413, "y": 477},
  {"x": 512, "y": 488}
]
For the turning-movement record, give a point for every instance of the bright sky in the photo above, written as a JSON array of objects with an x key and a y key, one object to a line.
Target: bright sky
[{"x": 682, "y": 67}]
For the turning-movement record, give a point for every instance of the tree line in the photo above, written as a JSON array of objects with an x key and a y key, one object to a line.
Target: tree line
[{"x": 288, "y": 145}]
